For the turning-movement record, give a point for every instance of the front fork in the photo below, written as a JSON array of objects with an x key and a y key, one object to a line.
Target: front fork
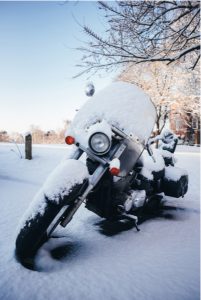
[{"x": 93, "y": 180}]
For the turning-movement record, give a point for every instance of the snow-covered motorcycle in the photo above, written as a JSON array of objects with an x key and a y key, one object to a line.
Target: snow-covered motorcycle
[{"x": 111, "y": 167}]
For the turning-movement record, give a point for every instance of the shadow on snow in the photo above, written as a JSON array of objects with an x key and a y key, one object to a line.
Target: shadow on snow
[{"x": 59, "y": 248}]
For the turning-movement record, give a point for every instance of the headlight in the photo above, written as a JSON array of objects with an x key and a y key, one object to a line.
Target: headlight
[{"x": 99, "y": 143}]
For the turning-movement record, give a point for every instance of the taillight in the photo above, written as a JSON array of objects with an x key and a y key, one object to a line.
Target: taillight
[
  {"x": 114, "y": 171},
  {"x": 69, "y": 140}
]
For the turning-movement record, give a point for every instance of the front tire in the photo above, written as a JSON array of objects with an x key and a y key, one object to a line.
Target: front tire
[
  {"x": 33, "y": 235},
  {"x": 37, "y": 226}
]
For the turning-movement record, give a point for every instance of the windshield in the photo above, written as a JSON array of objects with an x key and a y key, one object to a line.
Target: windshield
[{"x": 122, "y": 105}]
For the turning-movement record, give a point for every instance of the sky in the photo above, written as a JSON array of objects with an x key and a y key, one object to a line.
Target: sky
[{"x": 37, "y": 62}]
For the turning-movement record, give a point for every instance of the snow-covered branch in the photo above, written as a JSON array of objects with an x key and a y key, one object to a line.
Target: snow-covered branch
[{"x": 144, "y": 31}]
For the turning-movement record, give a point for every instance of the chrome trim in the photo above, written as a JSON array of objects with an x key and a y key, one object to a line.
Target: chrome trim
[
  {"x": 93, "y": 156},
  {"x": 76, "y": 155},
  {"x": 56, "y": 220}
]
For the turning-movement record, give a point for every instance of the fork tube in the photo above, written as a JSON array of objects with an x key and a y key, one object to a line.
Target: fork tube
[
  {"x": 76, "y": 155},
  {"x": 92, "y": 182}
]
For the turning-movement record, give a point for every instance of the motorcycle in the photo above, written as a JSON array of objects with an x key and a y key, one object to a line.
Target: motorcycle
[{"x": 111, "y": 167}]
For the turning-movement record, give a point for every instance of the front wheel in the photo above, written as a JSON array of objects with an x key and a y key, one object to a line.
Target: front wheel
[{"x": 59, "y": 193}]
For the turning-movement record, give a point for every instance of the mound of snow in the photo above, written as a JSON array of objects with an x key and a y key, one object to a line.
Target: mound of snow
[
  {"x": 151, "y": 165},
  {"x": 122, "y": 105},
  {"x": 59, "y": 184},
  {"x": 173, "y": 173}
]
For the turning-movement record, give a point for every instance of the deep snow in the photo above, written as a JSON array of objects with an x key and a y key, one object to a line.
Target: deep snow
[{"x": 90, "y": 259}]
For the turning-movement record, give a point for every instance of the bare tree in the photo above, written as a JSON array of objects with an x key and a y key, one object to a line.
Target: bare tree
[
  {"x": 169, "y": 87},
  {"x": 156, "y": 80},
  {"x": 37, "y": 134},
  {"x": 189, "y": 101},
  {"x": 49, "y": 137},
  {"x": 141, "y": 31}
]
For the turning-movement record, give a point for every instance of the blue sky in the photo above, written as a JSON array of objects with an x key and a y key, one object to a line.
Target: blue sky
[{"x": 37, "y": 62}]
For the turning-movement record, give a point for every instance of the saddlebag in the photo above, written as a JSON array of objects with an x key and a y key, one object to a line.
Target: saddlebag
[{"x": 175, "y": 182}]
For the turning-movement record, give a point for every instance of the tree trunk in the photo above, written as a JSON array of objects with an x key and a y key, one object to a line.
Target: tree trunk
[{"x": 197, "y": 137}]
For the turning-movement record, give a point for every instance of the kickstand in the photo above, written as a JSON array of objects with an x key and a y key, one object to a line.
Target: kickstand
[
  {"x": 132, "y": 217},
  {"x": 137, "y": 228}
]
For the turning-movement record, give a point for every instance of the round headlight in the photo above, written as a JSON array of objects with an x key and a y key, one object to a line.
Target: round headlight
[{"x": 99, "y": 143}]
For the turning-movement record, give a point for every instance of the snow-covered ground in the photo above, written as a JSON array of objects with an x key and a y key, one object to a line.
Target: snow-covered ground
[{"x": 88, "y": 259}]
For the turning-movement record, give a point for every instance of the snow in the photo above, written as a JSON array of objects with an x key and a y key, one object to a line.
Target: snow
[
  {"x": 166, "y": 139},
  {"x": 147, "y": 173},
  {"x": 66, "y": 175},
  {"x": 153, "y": 165},
  {"x": 122, "y": 105},
  {"x": 91, "y": 260},
  {"x": 166, "y": 153},
  {"x": 27, "y": 133},
  {"x": 58, "y": 184},
  {"x": 102, "y": 126},
  {"x": 174, "y": 173}
]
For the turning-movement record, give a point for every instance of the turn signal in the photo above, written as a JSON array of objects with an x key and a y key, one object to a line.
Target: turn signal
[
  {"x": 114, "y": 171},
  {"x": 69, "y": 140}
]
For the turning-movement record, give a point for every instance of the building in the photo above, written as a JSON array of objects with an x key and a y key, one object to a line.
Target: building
[{"x": 185, "y": 125}]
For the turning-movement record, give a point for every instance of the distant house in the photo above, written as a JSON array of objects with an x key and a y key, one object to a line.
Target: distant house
[
  {"x": 185, "y": 125},
  {"x": 4, "y": 136}
]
